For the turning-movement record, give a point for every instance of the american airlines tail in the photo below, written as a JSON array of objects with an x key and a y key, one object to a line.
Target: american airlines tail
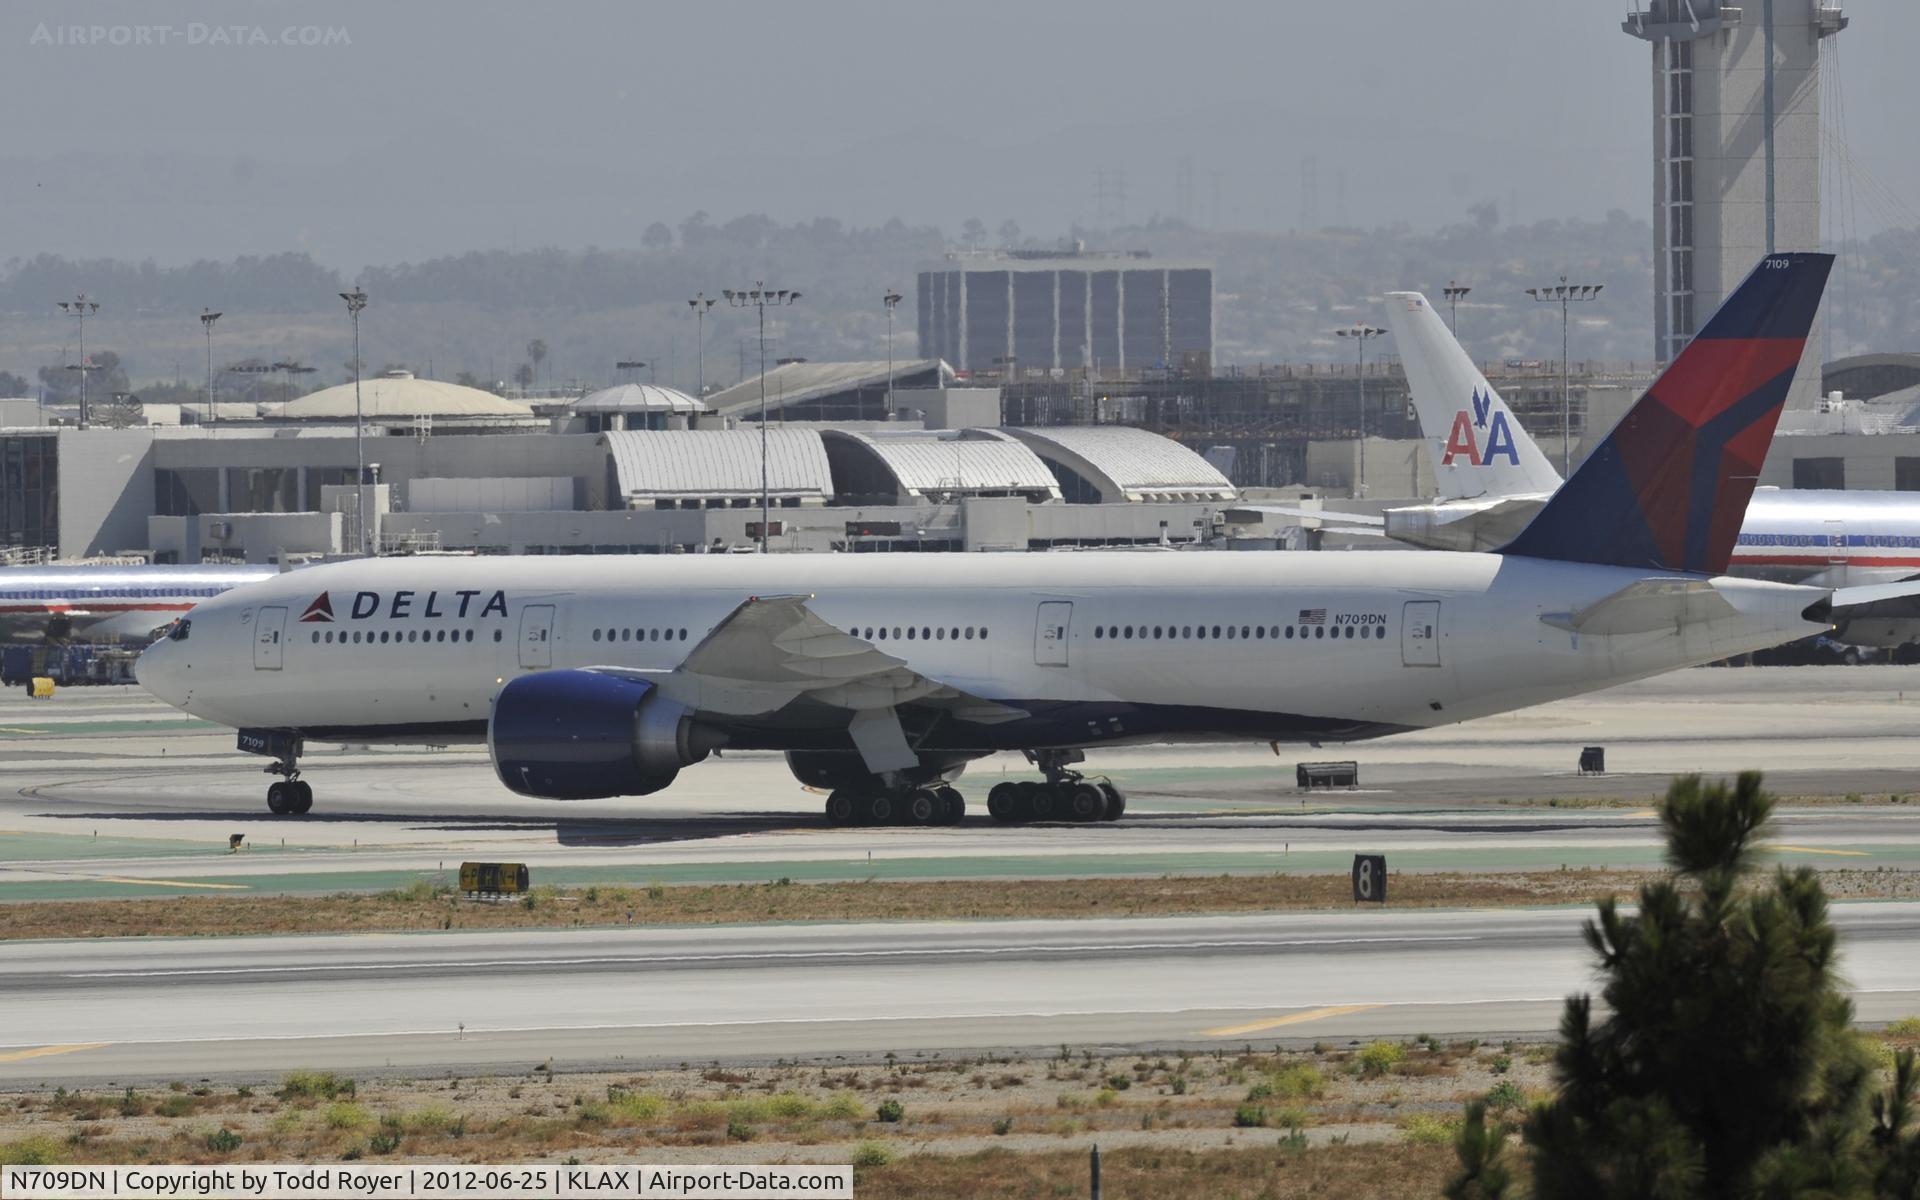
[
  {"x": 1478, "y": 447},
  {"x": 1668, "y": 488}
]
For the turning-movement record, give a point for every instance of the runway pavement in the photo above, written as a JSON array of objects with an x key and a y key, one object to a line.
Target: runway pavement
[{"x": 471, "y": 1002}]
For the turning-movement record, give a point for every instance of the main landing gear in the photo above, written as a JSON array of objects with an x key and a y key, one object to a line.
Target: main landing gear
[
  {"x": 933, "y": 804},
  {"x": 1066, "y": 795}
]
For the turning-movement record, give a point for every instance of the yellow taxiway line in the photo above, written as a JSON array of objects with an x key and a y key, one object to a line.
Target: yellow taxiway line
[
  {"x": 43, "y": 1051},
  {"x": 1311, "y": 1014},
  {"x": 1820, "y": 850}
]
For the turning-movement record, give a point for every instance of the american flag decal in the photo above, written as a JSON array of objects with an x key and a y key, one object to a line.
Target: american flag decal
[{"x": 1313, "y": 616}]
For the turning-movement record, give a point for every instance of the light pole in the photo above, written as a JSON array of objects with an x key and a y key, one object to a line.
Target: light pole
[
  {"x": 1563, "y": 294},
  {"x": 287, "y": 371},
  {"x": 356, "y": 301},
  {"x": 1453, "y": 292},
  {"x": 207, "y": 318},
  {"x": 892, "y": 301},
  {"x": 82, "y": 308},
  {"x": 758, "y": 298},
  {"x": 700, "y": 304},
  {"x": 1360, "y": 334}
]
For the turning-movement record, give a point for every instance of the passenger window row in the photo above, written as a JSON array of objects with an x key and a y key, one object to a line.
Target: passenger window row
[
  {"x": 1237, "y": 632},
  {"x": 640, "y": 635},
  {"x": 921, "y": 633},
  {"x": 410, "y": 635}
]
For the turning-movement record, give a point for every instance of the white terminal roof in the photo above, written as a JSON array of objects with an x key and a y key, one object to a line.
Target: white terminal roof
[
  {"x": 799, "y": 382},
  {"x": 718, "y": 462},
  {"x": 1127, "y": 464},
  {"x": 396, "y": 396},
  {"x": 973, "y": 460},
  {"x": 638, "y": 397}
]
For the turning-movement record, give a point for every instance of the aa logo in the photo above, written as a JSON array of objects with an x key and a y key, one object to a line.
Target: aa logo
[
  {"x": 1463, "y": 440},
  {"x": 320, "y": 610}
]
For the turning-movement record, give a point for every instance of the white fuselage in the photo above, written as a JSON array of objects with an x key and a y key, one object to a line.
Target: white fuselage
[{"x": 1096, "y": 647}]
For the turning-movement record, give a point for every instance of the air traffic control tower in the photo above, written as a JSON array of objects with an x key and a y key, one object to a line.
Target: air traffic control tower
[{"x": 1736, "y": 138}]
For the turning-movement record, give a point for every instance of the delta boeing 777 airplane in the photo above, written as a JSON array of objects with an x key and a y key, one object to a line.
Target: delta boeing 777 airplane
[{"x": 881, "y": 676}]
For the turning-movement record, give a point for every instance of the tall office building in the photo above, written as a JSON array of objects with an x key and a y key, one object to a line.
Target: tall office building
[
  {"x": 1038, "y": 310},
  {"x": 1736, "y": 140}
]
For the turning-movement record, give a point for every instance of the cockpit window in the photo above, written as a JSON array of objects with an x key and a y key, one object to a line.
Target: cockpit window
[{"x": 180, "y": 630}]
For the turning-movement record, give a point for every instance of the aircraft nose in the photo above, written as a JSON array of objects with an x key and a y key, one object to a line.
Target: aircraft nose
[{"x": 160, "y": 671}]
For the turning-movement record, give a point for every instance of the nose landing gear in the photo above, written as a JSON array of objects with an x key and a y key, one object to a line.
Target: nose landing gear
[
  {"x": 1066, "y": 795},
  {"x": 291, "y": 795}
]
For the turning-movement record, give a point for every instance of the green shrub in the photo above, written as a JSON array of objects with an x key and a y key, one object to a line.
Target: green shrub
[
  {"x": 1502, "y": 1063},
  {"x": 1904, "y": 1027},
  {"x": 29, "y": 1152},
  {"x": 1249, "y": 1116},
  {"x": 431, "y": 1118},
  {"x": 1425, "y": 1129},
  {"x": 890, "y": 1111},
  {"x": 1292, "y": 1117},
  {"x": 315, "y": 1085},
  {"x": 1179, "y": 1085},
  {"x": 871, "y": 1154},
  {"x": 384, "y": 1141},
  {"x": 174, "y": 1106},
  {"x": 637, "y": 1106},
  {"x": 842, "y": 1106},
  {"x": 1003, "y": 1126},
  {"x": 1119, "y": 1083},
  {"x": 1261, "y": 1091},
  {"x": 1302, "y": 1081},
  {"x": 224, "y": 1141},
  {"x": 344, "y": 1114},
  {"x": 739, "y": 1129},
  {"x": 792, "y": 1106},
  {"x": 1377, "y": 1058},
  {"x": 1506, "y": 1094},
  {"x": 1105, "y": 1098}
]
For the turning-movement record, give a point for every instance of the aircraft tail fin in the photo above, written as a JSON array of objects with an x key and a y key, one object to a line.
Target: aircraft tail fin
[
  {"x": 1668, "y": 488},
  {"x": 1477, "y": 446}
]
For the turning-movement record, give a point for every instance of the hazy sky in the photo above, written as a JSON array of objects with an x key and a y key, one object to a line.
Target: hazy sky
[{"x": 422, "y": 128}]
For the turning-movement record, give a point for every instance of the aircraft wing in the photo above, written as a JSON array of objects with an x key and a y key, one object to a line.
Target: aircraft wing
[
  {"x": 1314, "y": 514},
  {"x": 774, "y": 650}
]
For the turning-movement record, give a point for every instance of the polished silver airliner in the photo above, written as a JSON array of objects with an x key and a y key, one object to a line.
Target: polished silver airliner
[
  {"x": 882, "y": 675},
  {"x": 108, "y": 602}
]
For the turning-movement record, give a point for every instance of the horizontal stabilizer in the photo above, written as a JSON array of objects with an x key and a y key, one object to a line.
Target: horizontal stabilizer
[
  {"x": 1647, "y": 606},
  {"x": 1899, "y": 600}
]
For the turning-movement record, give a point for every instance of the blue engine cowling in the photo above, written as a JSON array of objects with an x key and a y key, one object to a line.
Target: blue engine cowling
[{"x": 583, "y": 735}]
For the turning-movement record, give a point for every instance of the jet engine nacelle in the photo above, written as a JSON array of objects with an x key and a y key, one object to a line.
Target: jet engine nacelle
[{"x": 584, "y": 735}]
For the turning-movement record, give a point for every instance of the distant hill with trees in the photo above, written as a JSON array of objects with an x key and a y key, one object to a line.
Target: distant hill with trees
[{"x": 1279, "y": 297}]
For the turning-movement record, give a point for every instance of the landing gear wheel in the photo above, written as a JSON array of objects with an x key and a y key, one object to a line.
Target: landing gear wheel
[
  {"x": 953, "y": 806},
  {"x": 1116, "y": 801},
  {"x": 277, "y": 800},
  {"x": 1086, "y": 802},
  {"x": 1041, "y": 802},
  {"x": 924, "y": 807},
  {"x": 1003, "y": 802},
  {"x": 880, "y": 809},
  {"x": 842, "y": 809},
  {"x": 300, "y": 797}
]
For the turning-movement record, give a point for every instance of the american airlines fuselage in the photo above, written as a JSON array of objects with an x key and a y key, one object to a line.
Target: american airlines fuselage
[{"x": 107, "y": 602}]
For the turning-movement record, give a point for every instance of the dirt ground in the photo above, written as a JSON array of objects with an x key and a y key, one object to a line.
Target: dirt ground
[{"x": 425, "y": 906}]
